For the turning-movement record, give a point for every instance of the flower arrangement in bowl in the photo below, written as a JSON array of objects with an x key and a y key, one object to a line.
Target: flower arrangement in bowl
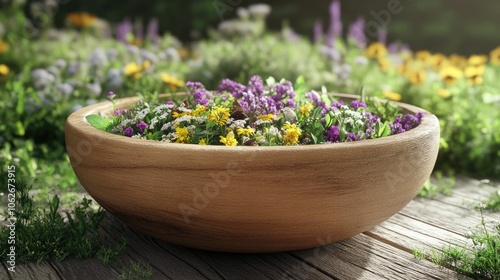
[{"x": 296, "y": 170}]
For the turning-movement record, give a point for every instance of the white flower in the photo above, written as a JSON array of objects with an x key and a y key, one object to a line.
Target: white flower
[{"x": 259, "y": 10}]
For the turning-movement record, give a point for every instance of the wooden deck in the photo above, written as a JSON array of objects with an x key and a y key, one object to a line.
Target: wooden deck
[{"x": 384, "y": 252}]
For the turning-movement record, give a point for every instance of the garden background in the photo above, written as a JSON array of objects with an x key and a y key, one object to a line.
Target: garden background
[{"x": 59, "y": 56}]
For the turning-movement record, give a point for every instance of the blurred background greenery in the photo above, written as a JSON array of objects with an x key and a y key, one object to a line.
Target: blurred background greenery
[{"x": 448, "y": 26}]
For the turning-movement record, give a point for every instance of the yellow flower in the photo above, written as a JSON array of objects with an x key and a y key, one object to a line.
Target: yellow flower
[
  {"x": 304, "y": 110},
  {"x": 200, "y": 109},
  {"x": 219, "y": 115},
  {"x": 177, "y": 115},
  {"x": 474, "y": 74},
  {"x": 423, "y": 55},
  {"x": 229, "y": 140},
  {"x": 4, "y": 47},
  {"x": 182, "y": 134},
  {"x": 245, "y": 131},
  {"x": 417, "y": 77},
  {"x": 458, "y": 61},
  {"x": 495, "y": 56},
  {"x": 392, "y": 95},
  {"x": 438, "y": 61},
  {"x": 203, "y": 142},
  {"x": 477, "y": 60},
  {"x": 172, "y": 82},
  {"x": 444, "y": 93},
  {"x": 81, "y": 20},
  {"x": 292, "y": 133},
  {"x": 450, "y": 75},
  {"x": 267, "y": 118},
  {"x": 383, "y": 64},
  {"x": 376, "y": 50},
  {"x": 133, "y": 70},
  {"x": 403, "y": 68},
  {"x": 4, "y": 70}
]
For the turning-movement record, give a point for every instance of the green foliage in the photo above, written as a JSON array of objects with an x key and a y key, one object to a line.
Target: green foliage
[
  {"x": 46, "y": 233},
  {"x": 137, "y": 272},
  {"x": 481, "y": 261},
  {"x": 493, "y": 202},
  {"x": 441, "y": 184}
]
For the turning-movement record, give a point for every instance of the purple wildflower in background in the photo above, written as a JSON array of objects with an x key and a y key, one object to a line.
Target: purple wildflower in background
[
  {"x": 318, "y": 31},
  {"x": 129, "y": 131},
  {"x": 139, "y": 30},
  {"x": 153, "y": 32},
  {"x": 382, "y": 35},
  {"x": 335, "y": 29},
  {"x": 122, "y": 31},
  {"x": 355, "y": 104},
  {"x": 256, "y": 85},
  {"x": 170, "y": 102},
  {"x": 119, "y": 112},
  {"x": 141, "y": 126},
  {"x": 357, "y": 32},
  {"x": 332, "y": 134}
]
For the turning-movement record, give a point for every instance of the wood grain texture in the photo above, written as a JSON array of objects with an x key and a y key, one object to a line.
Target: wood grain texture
[
  {"x": 380, "y": 253},
  {"x": 250, "y": 199}
]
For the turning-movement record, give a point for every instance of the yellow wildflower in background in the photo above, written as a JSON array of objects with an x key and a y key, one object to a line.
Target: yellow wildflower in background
[
  {"x": 4, "y": 70},
  {"x": 229, "y": 140},
  {"x": 172, "y": 82},
  {"x": 474, "y": 74},
  {"x": 4, "y": 47},
  {"x": 450, "y": 75},
  {"x": 182, "y": 134},
  {"x": 477, "y": 60},
  {"x": 81, "y": 20},
  {"x": 423, "y": 55},
  {"x": 219, "y": 115},
  {"x": 392, "y": 95},
  {"x": 444, "y": 93},
  {"x": 383, "y": 64},
  {"x": 439, "y": 61},
  {"x": 304, "y": 110},
  {"x": 458, "y": 61},
  {"x": 133, "y": 70},
  {"x": 376, "y": 50},
  {"x": 495, "y": 56},
  {"x": 417, "y": 77},
  {"x": 246, "y": 131},
  {"x": 177, "y": 115},
  {"x": 292, "y": 133}
]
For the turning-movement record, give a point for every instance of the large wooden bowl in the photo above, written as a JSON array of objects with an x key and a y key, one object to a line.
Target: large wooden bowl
[{"x": 250, "y": 199}]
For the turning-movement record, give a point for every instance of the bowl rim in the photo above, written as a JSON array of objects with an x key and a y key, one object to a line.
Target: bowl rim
[{"x": 77, "y": 120}]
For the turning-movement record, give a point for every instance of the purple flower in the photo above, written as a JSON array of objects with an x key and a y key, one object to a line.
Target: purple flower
[
  {"x": 357, "y": 32},
  {"x": 170, "y": 102},
  {"x": 316, "y": 100},
  {"x": 139, "y": 30},
  {"x": 256, "y": 85},
  {"x": 199, "y": 93},
  {"x": 119, "y": 112},
  {"x": 337, "y": 104},
  {"x": 335, "y": 30},
  {"x": 129, "y": 131},
  {"x": 111, "y": 95},
  {"x": 354, "y": 137},
  {"x": 355, "y": 104},
  {"x": 318, "y": 31},
  {"x": 405, "y": 123},
  {"x": 382, "y": 35},
  {"x": 332, "y": 134},
  {"x": 142, "y": 126},
  {"x": 153, "y": 31},
  {"x": 122, "y": 31},
  {"x": 232, "y": 87}
]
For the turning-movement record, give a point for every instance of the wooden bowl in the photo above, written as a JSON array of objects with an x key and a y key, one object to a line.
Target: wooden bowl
[{"x": 250, "y": 199}]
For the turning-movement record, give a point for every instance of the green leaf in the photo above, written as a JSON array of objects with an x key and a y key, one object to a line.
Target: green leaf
[
  {"x": 271, "y": 81},
  {"x": 98, "y": 122}
]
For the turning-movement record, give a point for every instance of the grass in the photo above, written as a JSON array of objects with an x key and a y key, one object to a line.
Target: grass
[
  {"x": 493, "y": 202},
  {"x": 441, "y": 185},
  {"x": 481, "y": 261},
  {"x": 43, "y": 233},
  {"x": 137, "y": 271}
]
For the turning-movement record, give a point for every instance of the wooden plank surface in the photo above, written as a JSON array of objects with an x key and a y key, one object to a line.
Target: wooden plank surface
[{"x": 384, "y": 252}]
